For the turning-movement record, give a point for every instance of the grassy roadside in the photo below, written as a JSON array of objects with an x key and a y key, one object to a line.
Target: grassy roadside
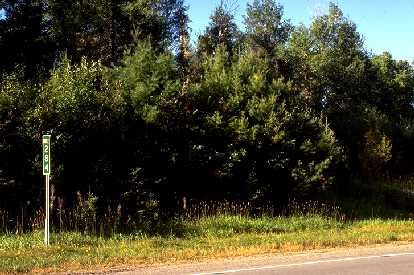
[{"x": 210, "y": 237}]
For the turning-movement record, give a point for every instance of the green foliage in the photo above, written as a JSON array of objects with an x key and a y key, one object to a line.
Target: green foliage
[
  {"x": 332, "y": 65},
  {"x": 24, "y": 40},
  {"x": 377, "y": 152},
  {"x": 149, "y": 87},
  {"x": 35, "y": 33},
  {"x": 157, "y": 20},
  {"x": 393, "y": 86},
  {"x": 76, "y": 106},
  {"x": 222, "y": 31},
  {"x": 85, "y": 214},
  {"x": 147, "y": 80},
  {"x": 264, "y": 25},
  {"x": 76, "y": 92},
  {"x": 17, "y": 154},
  {"x": 339, "y": 80},
  {"x": 271, "y": 146},
  {"x": 260, "y": 116}
]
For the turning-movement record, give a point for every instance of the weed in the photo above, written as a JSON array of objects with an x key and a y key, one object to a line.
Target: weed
[{"x": 208, "y": 237}]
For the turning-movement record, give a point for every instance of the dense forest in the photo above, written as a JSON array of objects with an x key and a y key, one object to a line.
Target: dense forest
[{"x": 144, "y": 122}]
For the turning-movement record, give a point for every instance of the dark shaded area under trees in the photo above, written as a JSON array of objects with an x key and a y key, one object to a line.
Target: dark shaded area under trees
[{"x": 140, "y": 119}]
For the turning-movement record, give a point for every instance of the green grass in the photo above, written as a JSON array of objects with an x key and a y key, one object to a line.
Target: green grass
[{"x": 209, "y": 237}]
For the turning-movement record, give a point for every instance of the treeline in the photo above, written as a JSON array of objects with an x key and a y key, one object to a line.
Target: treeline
[{"x": 141, "y": 120}]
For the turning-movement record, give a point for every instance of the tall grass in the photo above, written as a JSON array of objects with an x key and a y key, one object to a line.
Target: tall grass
[
  {"x": 84, "y": 219},
  {"x": 208, "y": 237},
  {"x": 84, "y": 216},
  {"x": 404, "y": 184},
  {"x": 81, "y": 240}
]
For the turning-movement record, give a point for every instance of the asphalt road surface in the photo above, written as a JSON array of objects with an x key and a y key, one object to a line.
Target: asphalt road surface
[
  {"x": 385, "y": 264},
  {"x": 390, "y": 259}
]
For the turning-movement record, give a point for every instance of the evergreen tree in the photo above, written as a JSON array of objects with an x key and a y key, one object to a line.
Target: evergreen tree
[
  {"x": 24, "y": 37},
  {"x": 222, "y": 31},
  {"x": 265, "y": 28}
]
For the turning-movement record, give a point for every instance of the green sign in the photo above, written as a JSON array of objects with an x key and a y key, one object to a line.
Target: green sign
[{"x": 46, "y": 154}]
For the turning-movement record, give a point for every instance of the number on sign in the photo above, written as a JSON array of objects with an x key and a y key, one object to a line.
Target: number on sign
[{"x": 46, "y": 154}]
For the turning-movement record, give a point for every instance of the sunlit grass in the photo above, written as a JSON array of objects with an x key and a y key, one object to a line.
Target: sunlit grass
[{"x": 210, "y": 237}]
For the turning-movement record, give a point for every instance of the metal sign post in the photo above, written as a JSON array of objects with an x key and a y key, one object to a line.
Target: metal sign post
[{"x": 46, "y": 172}]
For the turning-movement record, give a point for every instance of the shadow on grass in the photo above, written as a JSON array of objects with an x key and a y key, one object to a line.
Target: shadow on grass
[{"x": 379, "y": 200}]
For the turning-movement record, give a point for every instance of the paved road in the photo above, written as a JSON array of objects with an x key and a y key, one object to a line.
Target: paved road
[
  {"x": 385, "y": 264},
  {"x": 388, "y": 259}
]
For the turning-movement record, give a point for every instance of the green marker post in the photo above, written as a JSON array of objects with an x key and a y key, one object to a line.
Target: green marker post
[{"x": 46, "y": 173}]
